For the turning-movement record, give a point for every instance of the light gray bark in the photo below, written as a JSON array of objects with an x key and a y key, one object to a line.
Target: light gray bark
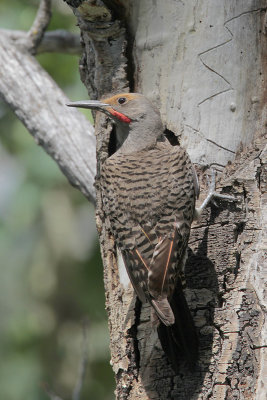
[
  {"x": 202, "y": 62},
  {"x": 65, "y": 134}
]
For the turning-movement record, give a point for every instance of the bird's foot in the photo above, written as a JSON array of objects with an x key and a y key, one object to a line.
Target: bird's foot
[{"x": 212, "y": 195}]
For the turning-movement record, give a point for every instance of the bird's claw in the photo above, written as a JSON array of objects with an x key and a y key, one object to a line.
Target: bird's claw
[
  {"x": 212, "y": 195},
  {"x": 214, "y": 202}
]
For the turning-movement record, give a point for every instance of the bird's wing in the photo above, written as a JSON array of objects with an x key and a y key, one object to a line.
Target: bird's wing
[
  {"x": 149, "y": 203},
  {"x": 143, "y": 274},
  {"x": 161, "y": 266},
  {"x": 162, "y": 272},
  {"x": 137, "y": 268},
  {"x": 173, "y": 227}
]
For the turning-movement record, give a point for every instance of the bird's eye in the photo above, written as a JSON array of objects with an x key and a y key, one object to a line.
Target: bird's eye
[{"x": 121, "y": 100}]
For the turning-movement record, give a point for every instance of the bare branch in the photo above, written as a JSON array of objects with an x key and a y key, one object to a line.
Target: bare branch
[
  {"x": 39, "y": 25},
  {"x": 39, "y": 103},
  {"x": 58, "y": 41}
]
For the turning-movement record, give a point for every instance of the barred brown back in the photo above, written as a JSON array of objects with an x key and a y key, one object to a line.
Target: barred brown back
[{"x": 149, "y": 199}]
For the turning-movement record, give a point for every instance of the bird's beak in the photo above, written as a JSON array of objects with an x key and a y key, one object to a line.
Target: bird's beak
[
  {"x": 99, "y": 106},
  {"x": 92, "y": 104}
]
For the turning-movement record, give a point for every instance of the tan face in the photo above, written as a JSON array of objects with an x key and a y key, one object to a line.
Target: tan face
[
  {"x": 119, "y": 105},
  {"x": 124, "y": 107}
]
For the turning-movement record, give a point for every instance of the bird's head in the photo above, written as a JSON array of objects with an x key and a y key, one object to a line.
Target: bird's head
[
  {"x": 133, "y": 113},
  {"x": 123, "y": 107}
]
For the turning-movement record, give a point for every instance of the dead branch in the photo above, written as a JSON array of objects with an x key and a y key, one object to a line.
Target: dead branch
[
  {"x": 57, "y": 41},
  {"x": 36, "y": 32},
  {"x": 39, "y": 103}
]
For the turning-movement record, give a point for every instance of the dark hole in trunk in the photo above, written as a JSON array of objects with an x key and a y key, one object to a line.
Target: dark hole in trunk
[
  {"x": 172, "y": 138},
  {"x": 112, "y": 142}
]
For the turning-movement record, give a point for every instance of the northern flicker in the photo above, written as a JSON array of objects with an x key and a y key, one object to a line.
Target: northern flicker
[{"x": 149, "y": 188}]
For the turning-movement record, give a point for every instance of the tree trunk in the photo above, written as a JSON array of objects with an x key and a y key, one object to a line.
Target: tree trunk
[{"x": 203, "y": 64}]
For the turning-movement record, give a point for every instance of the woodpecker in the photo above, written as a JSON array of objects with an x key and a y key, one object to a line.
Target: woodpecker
[{"x": 149, "y": 189}]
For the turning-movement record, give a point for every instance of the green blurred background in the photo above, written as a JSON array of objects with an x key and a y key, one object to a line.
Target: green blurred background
[{"x": 51, "y": 271}]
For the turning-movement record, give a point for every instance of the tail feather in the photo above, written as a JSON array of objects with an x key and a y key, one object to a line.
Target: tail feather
[
  {"x": 179, "y": 341},
  {"x": 164, "y": 311}
]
